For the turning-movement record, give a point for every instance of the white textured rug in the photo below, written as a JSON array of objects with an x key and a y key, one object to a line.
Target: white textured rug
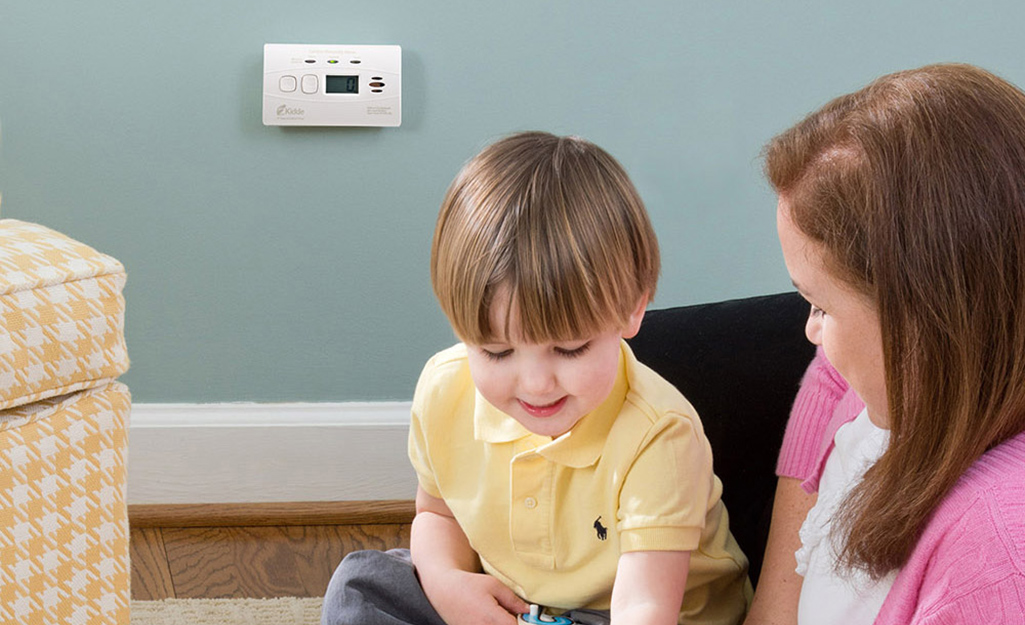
[{"x": 284, "y": 611}]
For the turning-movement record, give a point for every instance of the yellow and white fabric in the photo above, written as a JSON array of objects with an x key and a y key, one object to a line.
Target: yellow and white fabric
[
  {"x": 63, "y": 431},
  {"x": 63, "y": 518},
  {"x": 61, "y": 315}
]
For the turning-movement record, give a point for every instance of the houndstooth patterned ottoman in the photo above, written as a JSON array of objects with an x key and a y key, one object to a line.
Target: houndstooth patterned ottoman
[{"x": 63, "y": 431}]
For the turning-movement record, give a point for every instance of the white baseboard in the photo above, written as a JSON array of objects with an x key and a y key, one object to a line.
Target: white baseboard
[{"x": 252, "y": 453}]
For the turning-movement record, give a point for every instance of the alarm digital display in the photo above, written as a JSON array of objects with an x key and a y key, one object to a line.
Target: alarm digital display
[{"x": 341, "y": 84}]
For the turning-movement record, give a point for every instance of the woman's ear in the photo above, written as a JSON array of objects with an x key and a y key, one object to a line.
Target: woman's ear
[{"x": 633, "y": 324}]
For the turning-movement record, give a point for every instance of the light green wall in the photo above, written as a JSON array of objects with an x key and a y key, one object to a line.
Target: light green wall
[{"x": 270, "y": 264}]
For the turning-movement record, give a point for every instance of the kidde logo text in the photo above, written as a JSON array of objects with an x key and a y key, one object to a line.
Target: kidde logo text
[{"x": 285, "y": 111}]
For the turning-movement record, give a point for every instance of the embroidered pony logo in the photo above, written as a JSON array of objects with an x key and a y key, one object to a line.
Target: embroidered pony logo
[{"x": 602, "y": 531}]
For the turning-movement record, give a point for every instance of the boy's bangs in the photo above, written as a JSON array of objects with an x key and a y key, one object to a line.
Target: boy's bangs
[
  {"x": 548, "y": 315},
  {"x": 543, "y": 313}
]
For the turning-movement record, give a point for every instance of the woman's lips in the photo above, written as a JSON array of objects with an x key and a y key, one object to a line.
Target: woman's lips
[{"x": 546, "y": 410}]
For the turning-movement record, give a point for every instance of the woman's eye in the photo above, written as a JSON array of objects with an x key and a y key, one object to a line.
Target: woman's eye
[
  {"x": 575, "y": 352},
  {"x": 496, "y": 356},
  {"x": 816, "y": 311}
]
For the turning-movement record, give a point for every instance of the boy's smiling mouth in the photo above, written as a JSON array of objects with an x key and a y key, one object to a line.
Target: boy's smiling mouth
[{"x": 545, "y": 410}]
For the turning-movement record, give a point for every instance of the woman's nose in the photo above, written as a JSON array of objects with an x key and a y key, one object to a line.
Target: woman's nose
[{"x": 813, "y": 328}]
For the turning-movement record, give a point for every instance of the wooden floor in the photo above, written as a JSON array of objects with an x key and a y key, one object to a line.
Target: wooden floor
[{"x": 261, "y": 555}]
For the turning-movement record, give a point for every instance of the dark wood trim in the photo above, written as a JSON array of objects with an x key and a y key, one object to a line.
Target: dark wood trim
[{"x": 272, "y": 514}]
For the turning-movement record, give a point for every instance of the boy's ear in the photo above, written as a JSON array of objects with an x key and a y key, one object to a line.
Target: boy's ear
[{"x": 634, "y": 322}]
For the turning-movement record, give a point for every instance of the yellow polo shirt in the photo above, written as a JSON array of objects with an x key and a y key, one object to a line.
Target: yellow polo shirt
[{"x": 549, "y": 518}]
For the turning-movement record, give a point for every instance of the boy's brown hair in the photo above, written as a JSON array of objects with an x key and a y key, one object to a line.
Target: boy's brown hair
[{"x": 555, "y": 223}]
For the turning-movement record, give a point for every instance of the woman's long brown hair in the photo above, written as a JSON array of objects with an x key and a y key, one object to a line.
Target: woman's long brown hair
[{"x": 915, "y": 185}]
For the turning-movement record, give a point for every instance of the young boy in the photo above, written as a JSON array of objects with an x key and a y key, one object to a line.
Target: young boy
[{"x": 553, "y": 467}]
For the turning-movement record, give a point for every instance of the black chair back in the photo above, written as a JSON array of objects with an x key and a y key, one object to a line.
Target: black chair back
[{"x": 740, "y": 363}]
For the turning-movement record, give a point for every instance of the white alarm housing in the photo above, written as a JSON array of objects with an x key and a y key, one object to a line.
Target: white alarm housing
[{"x": 332, "y": 85}]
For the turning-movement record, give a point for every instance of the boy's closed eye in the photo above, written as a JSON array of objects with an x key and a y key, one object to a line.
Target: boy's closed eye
[
  {"x": 495, "y": 353},
  {"x": 573, "y": 352}
]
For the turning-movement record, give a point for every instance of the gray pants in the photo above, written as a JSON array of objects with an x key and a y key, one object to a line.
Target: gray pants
[{"x": 381, "y": 588}]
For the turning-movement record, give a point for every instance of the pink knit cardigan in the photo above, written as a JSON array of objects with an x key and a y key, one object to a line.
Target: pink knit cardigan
[{"x": 969, "y": 565}]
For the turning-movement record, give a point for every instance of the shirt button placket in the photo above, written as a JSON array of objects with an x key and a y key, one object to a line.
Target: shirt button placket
[{"x": 529, "y": 514}]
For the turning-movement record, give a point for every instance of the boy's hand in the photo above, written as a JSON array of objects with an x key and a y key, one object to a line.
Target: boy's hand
[
  {"x": 449, "y": 570},
  {"x": 464, "y": 598}
]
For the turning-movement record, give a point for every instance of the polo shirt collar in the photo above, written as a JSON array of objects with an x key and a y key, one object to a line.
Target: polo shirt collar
[
  {"x": 580, "y": 447},
  {"x": 491, "y": 425}
]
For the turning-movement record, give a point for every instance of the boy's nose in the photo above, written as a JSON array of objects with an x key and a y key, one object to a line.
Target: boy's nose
[{"x": 537, "y": 380}]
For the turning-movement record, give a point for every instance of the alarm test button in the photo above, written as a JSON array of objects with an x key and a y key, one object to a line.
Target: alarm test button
[{"x": 310, "y": 83}]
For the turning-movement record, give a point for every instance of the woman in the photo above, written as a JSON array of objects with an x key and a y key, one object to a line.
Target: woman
[{"x": 902, "y": 220}]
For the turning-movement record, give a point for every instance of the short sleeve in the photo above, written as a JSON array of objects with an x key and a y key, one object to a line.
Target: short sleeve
[
  {"x": 418, "y": 451},
  {"x": 419, "y": 459},
  {"x": 664, "y": 499}
]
